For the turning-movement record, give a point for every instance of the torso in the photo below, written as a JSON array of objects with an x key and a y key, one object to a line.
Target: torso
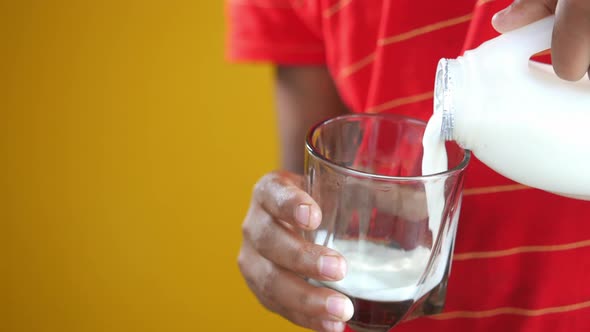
[{"x": 521, "y": 257}]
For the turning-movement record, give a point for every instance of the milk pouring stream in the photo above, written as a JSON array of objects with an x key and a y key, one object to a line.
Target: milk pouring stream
[{"x": 516, "y": 115}]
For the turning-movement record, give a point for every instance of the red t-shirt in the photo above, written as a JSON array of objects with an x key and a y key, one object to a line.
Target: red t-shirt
[{"x": 522, "y": 256}]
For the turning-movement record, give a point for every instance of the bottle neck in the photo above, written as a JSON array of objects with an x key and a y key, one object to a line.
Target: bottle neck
[{"x": 452, "y": 99}]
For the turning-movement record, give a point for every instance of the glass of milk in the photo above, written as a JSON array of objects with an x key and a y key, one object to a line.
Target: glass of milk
[{"x": 389, "y": 208}]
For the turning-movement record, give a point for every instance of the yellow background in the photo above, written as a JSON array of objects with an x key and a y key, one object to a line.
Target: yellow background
[{"x": 128, "y": 150}]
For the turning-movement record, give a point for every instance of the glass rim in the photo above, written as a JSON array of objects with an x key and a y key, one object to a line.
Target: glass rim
[{"x": 314, "y": 152}]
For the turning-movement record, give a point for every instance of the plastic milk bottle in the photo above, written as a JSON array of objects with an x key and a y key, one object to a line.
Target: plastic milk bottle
[{"x": 516, "y": 115}]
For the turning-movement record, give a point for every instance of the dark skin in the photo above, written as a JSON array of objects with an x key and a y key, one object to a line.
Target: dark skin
[
  {"x": 570, "y": 48},
  {"x": 273, "y": 258}
]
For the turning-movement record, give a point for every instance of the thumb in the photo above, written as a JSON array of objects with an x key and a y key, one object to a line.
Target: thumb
[{"x": 521, "y": 13}]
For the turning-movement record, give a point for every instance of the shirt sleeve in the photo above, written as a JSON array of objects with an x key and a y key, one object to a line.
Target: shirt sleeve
[{"x": 270, "y": 31}]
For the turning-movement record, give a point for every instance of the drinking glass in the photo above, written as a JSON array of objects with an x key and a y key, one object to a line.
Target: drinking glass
[{"x": 394, "y": 225}]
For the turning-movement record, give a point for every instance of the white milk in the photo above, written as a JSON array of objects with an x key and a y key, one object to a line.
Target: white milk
[
  {"x": 380, "y": 273},
  {"x": 517, "y": 116},
  {"x": 434, "y": 161}
]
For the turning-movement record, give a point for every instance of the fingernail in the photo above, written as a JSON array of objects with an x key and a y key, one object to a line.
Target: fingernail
[
  {"x": 340, "y": 307},
  {"x": 500, "y": 13},
  {"x": 332, "y": 267},
  {"x": 496, "y": 18},
  {"x": 331, "y": 325},
  {"x": 302, "y": 214}
]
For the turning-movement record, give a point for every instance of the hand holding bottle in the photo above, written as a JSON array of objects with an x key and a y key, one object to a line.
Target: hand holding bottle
[{"x": 570, "y": 48}]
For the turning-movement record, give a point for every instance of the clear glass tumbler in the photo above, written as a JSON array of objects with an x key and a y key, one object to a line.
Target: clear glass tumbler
[{"x": 395, "y": 226}]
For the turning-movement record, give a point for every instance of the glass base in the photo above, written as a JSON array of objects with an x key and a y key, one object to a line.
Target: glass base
[{"x": 368, "y": 328}]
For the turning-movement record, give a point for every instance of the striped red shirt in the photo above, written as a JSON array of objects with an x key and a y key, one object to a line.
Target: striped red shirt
[{"x": 520, "y": 261}]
